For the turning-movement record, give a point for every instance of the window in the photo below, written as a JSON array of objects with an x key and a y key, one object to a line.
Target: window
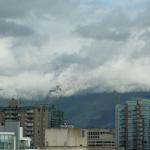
[
  {"x": 83, "y": 133},
  {"x": 6, "y": 142}
]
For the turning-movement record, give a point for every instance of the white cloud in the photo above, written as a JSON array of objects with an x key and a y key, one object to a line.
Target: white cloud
[{"x": 78, "y": 46}]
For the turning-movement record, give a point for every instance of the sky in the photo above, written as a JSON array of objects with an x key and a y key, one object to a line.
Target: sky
[{"x": 78, "y": 45}]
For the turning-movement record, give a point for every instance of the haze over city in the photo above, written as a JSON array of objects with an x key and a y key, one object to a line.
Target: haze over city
[{"x": 101, "y": 45}]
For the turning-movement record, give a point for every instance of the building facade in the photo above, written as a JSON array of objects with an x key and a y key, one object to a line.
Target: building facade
[
  {"x": 68, "y": 137},
  {"x": 101, "y": 137},
  {"x": 7, "y": 141},
  {"x": 55, "y": 117},
  {"x": 33, "y": 119},
  {"x": 11, "y": 137},
  {"x": 133, "y": 125},
  {"x": 81, "y": 148},
  {"x": 79, "y": 139}
]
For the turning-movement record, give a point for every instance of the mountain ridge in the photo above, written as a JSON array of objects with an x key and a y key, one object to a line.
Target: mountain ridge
[{"x": 95, "y": 110}]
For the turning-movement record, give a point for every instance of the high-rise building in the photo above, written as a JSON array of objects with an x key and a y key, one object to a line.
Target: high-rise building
[
  {"x": 133, "y": 125},
  {"x": 33, "y": 119},
  {"x": 55, "y": 117}
]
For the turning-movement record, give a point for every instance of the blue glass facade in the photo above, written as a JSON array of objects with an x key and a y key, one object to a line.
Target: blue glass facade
[
  {"x": 133, "y": 125},
  {"x": 55, "y": 117}
]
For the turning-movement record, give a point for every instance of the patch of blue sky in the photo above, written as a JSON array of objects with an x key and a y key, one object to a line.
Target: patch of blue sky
[
  {"x": 97, "y": 2},
  {"x": 131, "y": 4},
  {"x": 106, "y": 2}
]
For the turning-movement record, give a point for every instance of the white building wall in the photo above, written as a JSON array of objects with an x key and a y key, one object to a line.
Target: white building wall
[
  {"x": 65, "y": 137},
  {"x": 101, "y": 137}
]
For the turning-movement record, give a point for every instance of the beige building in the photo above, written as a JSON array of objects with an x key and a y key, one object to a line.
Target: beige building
[
  {"x": 101, "y": 137},
  {"x": 69, "y": 137},
  {"x": 78, "y": 139}
]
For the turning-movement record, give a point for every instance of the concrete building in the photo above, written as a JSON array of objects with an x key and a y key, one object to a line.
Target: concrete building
[
  {"x": 11, "y": 137},
  {"x": 133, "y": 125},
  {"x": 7, "y": 141},
  {"x": 69, "y": 137},
  {"x": 77, "y": 139},
  {"x": 81, "y": 148},
  {"x": 101, "y": 137},
  {"x": 33, "y": 119}
]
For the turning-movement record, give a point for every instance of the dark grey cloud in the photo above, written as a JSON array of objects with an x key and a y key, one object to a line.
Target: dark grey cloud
[
  {"x": 114, "y": 26},
  {"x": 18, "y": 17},
  {"x": 65, "y": 60},
  {"x": 99, "y": 32},
  {"x": 21, "y": 8},
  {"x": 8, "y": 28},
  {"x": 118, "y": 24}
]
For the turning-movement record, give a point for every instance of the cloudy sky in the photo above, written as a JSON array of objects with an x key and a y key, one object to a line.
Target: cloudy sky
[{"x": 94, "y": 45}]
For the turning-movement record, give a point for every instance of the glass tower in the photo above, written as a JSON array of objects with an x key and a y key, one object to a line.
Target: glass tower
[
  {"x": 55, "y": 117},
  {"x": 133, "y": 125}
]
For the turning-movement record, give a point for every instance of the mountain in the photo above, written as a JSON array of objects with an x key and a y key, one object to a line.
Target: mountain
[
  {"x": 88, "y": 110},
  {"x": 95, "y": 110}
]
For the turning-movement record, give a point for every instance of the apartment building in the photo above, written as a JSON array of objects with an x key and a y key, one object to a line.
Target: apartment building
[{"x": 33, "y": 119}]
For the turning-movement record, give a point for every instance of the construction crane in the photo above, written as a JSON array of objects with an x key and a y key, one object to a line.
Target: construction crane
[{"x": 54, "y": 92}]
